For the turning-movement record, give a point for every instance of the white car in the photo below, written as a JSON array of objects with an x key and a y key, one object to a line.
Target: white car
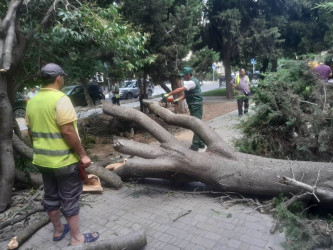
[{"x": 129, "y": 89}]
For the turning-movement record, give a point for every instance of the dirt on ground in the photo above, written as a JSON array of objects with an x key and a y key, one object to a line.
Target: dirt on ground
[{"x": 97, "y": 132}]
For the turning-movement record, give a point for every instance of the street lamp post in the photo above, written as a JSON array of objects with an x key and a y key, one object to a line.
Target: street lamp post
[{"x": 213, "y": 68}]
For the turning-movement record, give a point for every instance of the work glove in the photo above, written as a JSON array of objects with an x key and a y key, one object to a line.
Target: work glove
[
  {"x": 176, "y": 101},
  {"x": 165, "y": 96}
]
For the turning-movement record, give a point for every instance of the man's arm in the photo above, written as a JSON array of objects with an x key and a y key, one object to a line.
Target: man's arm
[
  {"x": 71, "y": 137},
  {"x": 177, "y": 91},
  {"x": 232, "y": 82}
]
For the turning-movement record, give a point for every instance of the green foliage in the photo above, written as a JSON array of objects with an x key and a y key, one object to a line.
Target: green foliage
[
  {"x": 325, "y": 6},
  {"x": 172, "y": 25},
  {"x": 301, "y": 232},
  {"x": 84, "y": 38},
  {"x": 201, "y": 61},
  {"x": 25, "y": 165},
  {"x": 292, "y": 118}
]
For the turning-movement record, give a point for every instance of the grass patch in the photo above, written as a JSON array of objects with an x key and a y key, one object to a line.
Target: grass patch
[{"x": 215, "y": 92}]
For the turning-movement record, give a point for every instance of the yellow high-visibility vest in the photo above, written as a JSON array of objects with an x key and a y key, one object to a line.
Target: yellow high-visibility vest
[
  {"x": 237, "y": 81},
  {"x": 49, "y": 147}
]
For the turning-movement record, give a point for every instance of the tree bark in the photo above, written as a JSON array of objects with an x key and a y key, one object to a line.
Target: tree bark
[
  {"x": 21, "y": 218},
  {"x": 24, "y": 235},
  {"x": 182, "y": 106},
  {"x": 220, "y": 166},
  {"x": 86, "y": 93},
  {"x": 7, "y": 165},
  {"x": 110, "y": 178},
  {"x": 227, "y": 70}
]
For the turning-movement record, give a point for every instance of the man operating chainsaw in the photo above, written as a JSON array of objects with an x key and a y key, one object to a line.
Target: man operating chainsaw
[
  {"x": 58, "y": 152},
  {"x": 192, "y": 93}
]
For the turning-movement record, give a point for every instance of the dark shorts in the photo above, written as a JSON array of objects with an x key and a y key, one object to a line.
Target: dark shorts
[{"x": 62, "y": 189}]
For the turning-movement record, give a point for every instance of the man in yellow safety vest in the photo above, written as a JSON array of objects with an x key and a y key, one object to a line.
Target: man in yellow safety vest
[
  {"x": 51, "y": 121},
  {"x": 242, "y": 90}
]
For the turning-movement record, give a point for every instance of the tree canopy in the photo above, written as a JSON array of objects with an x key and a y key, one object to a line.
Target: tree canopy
[{"x": 172, "y": 25}]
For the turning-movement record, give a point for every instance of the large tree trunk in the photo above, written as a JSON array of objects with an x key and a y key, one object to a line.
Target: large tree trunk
[
  {"x": 90, "y": 102},
  {"x": 220, "y": 166},
  {"x": 7, "y": 165},
  {"x": 182, "y": 106},
  {"x": 227, "y": 70}
]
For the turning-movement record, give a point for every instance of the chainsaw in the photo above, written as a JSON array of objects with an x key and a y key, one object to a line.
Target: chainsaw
[{"x": 167, "y": 102}]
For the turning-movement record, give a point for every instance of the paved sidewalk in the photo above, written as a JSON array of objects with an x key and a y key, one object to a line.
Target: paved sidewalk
[{"x": 172, "y": 218}]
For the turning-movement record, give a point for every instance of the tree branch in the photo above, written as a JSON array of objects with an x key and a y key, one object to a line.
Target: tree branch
[
  {"x": 138, "y": 149},
  {"x": 155, "y": 168},
  {"x": 209, "y": 136},
  {"x": 8, "y": 46},
  {"x": 45, "y": 19},
  {"x": 21, "y": 148},
  {"x": 2, "y": 44},
  {"x": 26, "y": 214},
  {"x": 156, "y": 130},
  {"x": 319, "y": 194},
  {"x": 10, "y": 15}
]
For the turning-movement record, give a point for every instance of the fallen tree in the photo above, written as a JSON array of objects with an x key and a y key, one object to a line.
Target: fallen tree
[{"x": 220, "y": 167}]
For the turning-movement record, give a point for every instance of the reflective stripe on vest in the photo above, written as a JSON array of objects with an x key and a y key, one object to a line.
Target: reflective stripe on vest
[
  {"x": 53, "y": 152},
  {"x": 46, "y": 135}
]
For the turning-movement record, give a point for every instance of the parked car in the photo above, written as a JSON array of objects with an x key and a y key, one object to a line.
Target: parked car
[
  {"x": 129, "y": 89},
  {"x": 19, "y": 106},
  {"x": 76, "y": 94}
]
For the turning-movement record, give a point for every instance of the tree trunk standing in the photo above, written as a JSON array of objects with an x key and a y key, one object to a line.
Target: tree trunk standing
[
  {"x": 274, "y": 65},
  {"x": 7, "y": 164},
  {"x": 264, "y": 65},
  {"x": 165, "y": 87},
  {"x": 86, "y": 93},
  {"x": 220, "y": 166},
  {"x": 182, "y": 106},
  {"x": 227, "y": 68},
  {"x": 143, "y": 93}
]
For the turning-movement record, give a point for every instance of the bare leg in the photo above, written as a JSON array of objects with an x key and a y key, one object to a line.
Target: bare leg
[
  {"x": 55, "y": 219},
  {"x": 74, "y": 226}
]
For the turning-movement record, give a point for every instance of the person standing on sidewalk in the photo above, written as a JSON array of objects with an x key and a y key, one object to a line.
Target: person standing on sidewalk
[
  {"x": 51, "y": 122},
  {"x": 323, "y": 71},
  {"x": 241, "y": 84},
  {"x": 115, "y": 93},
  {"x": 192, "y": 93}
]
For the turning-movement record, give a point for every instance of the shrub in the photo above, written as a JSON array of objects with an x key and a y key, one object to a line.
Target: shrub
[{"x": 293, "y": 116}]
